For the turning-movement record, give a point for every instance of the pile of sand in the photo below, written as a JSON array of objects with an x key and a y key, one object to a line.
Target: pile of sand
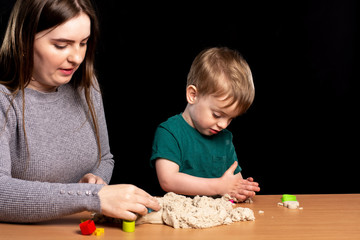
[{"x": 179, "y": 211}]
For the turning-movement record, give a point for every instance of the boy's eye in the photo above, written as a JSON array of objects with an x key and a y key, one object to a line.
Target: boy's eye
[{"x": 216, "y": 115}]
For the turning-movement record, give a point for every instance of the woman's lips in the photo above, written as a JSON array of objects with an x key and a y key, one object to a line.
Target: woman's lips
[{"x": 67, "y": 71}]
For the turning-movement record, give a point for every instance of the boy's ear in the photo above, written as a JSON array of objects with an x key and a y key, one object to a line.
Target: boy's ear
[{"x": 191, "y": 94}]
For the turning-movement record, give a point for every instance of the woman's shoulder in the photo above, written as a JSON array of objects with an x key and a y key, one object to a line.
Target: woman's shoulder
[
  {"x": 7, "y": 103},
  {"x": 95, "y": 92},
  {"x": 4, "y": 94},
  {"x": 4, "y": 89}
]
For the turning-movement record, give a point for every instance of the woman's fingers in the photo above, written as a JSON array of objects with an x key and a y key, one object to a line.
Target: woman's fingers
[{"x": 125, "y": 201}]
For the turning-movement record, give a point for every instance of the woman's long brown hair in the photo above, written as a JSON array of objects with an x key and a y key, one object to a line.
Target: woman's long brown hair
[{"x": 29, "y": 17}]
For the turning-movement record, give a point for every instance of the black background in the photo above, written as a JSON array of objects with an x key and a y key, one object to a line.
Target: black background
[{"x": 301, "y": 133}]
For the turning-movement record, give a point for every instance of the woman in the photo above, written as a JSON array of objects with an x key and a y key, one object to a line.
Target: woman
[{"x": 55, "y": 158}]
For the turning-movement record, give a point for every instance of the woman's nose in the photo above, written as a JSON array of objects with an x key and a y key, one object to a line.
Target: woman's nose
[{"x": 76, "y": 56}]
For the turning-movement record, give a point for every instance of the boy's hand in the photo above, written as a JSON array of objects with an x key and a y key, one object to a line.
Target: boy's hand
[{"x": 236, "y": 186}]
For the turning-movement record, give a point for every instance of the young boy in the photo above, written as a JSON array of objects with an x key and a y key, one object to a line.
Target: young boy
[{"x": 193, "y": 151}]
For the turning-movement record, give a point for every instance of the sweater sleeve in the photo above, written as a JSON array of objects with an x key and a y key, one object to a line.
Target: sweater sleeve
[{"x": 34, "y": 201}]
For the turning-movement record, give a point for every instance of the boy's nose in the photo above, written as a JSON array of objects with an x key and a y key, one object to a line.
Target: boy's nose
[{"x": 222, "y": 124}]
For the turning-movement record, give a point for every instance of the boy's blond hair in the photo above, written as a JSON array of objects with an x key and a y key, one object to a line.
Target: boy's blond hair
[{"x": 221, "y": 71}]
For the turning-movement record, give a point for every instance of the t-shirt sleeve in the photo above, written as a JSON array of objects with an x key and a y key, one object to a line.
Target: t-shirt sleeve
[{"x": 165, "y": 146}]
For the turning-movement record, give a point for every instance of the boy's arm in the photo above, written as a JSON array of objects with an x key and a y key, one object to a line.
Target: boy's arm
[{"x": 171, "y": 180}]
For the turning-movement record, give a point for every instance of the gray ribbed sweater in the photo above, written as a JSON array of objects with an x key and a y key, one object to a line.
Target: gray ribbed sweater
[{"x": 62, "y": 148}]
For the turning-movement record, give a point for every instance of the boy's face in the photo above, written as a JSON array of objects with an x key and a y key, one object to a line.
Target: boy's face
[{"x": 208, "y": 114}]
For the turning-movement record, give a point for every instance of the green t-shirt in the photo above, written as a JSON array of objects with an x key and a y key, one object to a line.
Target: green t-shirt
[{"x": 196, "y": 154}]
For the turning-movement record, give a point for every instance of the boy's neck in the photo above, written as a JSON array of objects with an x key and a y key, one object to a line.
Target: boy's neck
[{"x": 186, "y": 116}]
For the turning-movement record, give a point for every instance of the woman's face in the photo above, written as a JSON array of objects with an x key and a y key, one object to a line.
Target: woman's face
[{"x": 58, "y": 52}]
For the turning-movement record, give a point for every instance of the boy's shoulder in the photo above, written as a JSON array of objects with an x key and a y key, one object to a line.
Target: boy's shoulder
[
  {"x": 172, "y": 121},
  {"x": 177, "y": 126}
]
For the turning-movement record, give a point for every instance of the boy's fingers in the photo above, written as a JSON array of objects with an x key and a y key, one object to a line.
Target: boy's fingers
[{"x": 250, "y": 179}]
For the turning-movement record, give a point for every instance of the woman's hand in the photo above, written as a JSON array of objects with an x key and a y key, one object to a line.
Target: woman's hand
[
  {"x": 91, "y": 178},
  {"x": 124, "y": 201}
]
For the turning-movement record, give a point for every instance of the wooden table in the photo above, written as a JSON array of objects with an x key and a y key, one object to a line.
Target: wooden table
[{"x": 328, "y": 216}]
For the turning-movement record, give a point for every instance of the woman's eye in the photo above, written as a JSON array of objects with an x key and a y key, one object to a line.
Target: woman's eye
[
  {"x": 60, "y": 46},
  {"x": 83, "y": 44}
]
